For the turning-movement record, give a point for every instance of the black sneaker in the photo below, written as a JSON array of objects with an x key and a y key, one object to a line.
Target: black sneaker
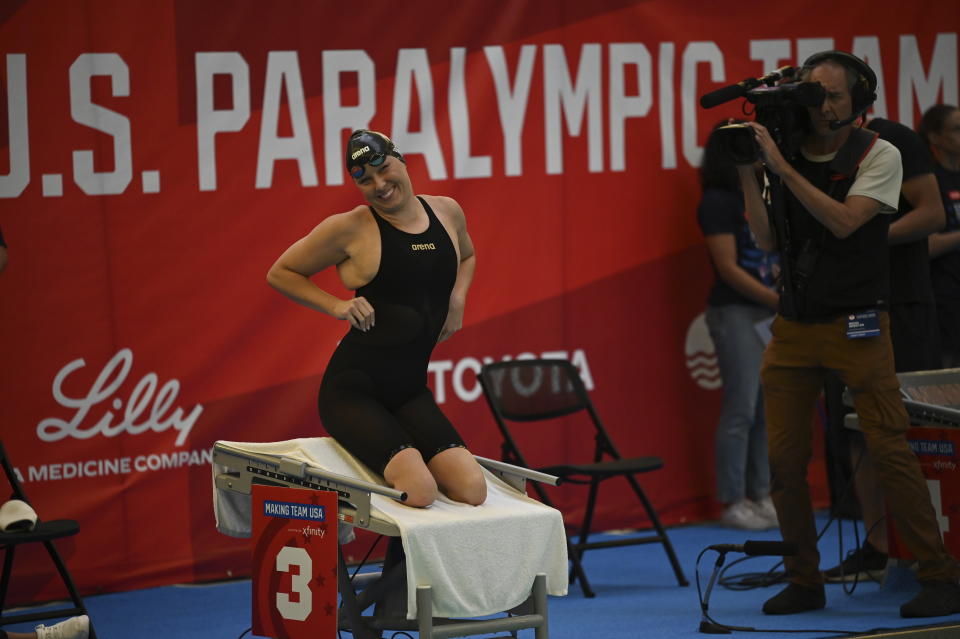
[
  {"x": 795, "y": 598},
  {"x": 937, "y": 598},
  {"x": 861, "y": 564}
]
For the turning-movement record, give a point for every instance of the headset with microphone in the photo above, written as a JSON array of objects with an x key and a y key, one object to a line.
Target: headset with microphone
[{"x": 864, "y": 91}]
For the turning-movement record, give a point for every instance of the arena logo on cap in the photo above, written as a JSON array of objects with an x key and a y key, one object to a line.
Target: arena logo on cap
[
  {"x": 144, "y": 393},
  {"x": 359, "y": 152}
]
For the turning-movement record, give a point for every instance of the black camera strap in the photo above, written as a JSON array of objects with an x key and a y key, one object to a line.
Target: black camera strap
[
  {"x": 844, "y": 166},
  {"x": 848, "y": 159},
  {"x": 777, "y": 216}
]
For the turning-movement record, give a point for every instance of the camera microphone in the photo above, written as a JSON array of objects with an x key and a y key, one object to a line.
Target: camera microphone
[
  {"x": 760, "y": 548},
  {"x": 739, "y": 90},
  {"x": 732, "y": 92}
]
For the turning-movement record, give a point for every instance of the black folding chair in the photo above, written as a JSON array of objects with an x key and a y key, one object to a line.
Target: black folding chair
[
  {"x": 541, "y": 389},
  {"x": 44, "y": 532}
]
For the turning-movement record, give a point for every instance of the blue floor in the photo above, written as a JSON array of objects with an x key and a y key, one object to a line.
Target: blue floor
[{"x": 636, "y": 596}]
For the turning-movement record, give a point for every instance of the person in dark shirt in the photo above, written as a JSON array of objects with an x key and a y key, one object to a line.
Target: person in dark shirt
[
  {"x": 741, "y": 298},
  {"x": 940, "y": 127}
]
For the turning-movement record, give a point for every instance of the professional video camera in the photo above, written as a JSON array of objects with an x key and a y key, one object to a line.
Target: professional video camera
[{"x": 781, "y": 108}]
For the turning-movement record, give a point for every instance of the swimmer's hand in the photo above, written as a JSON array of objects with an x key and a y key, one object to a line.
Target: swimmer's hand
[
  {"x": 454, "y": 319},
  {"x": 357, "y": 311}
]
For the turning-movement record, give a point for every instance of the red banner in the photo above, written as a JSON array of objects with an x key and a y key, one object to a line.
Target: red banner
[{"x": 159, "y": 157}]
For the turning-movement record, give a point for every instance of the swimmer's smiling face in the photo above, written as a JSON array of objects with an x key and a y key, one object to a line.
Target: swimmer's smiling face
[{"x": 385, "y": 187}]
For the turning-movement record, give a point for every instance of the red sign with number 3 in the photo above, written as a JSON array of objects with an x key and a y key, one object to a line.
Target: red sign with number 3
[
  {"x": 294, "y": 562},
  {"x": 938, "y": 449}
]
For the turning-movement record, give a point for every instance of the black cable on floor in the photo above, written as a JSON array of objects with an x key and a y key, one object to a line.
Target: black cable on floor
[
  {"x": 748, "y": 581},
  {"x": 724, "y": 627}
]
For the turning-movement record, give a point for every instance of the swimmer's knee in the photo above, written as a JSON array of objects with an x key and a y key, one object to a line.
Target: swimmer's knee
[
  {"x": 472, "y": 493},
  {"x": 407, "y": 472},
  {"x": 420, "y": 495},
  {"x": 468, "y": 488},
  {"x": 459, "y": 476}
]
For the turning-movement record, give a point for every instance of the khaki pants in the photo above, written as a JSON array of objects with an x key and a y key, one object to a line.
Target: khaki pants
[{"x": 794, "y": 365}]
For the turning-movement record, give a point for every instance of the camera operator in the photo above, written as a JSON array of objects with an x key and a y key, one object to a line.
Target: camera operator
[
  {"x": 840, "y": 192},
  {"x": 914, "y": 332}
]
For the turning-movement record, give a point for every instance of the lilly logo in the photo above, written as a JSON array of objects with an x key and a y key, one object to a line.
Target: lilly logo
[
  {"x": 146, "y": 409},
  {"x": 701, "y": 356}
]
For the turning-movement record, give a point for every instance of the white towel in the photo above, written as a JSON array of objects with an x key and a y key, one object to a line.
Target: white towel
[{"x": 478, "y": 560}]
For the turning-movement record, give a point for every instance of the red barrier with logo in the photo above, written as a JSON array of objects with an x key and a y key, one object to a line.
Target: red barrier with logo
[
  {"x": 936, "y": 448},
  {"x": 159, "y": 157},
  {"x": 294, "y": 562}
]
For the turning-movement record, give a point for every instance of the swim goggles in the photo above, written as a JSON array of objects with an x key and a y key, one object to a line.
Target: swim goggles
[{"x": 375, "y": 160}]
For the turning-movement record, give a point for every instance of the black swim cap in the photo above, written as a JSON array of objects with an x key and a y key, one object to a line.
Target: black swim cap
[{"x": 368, "y": 147}]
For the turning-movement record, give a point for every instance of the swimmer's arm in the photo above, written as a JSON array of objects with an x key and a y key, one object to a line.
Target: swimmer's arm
[
  {"x": 325, "y": 246},
  {"x": 458, "y": 298},
  {"x": 468, "y": 263}
]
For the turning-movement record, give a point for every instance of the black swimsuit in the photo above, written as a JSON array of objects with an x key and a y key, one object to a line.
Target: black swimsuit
[{"x": 374, "y": 398}]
